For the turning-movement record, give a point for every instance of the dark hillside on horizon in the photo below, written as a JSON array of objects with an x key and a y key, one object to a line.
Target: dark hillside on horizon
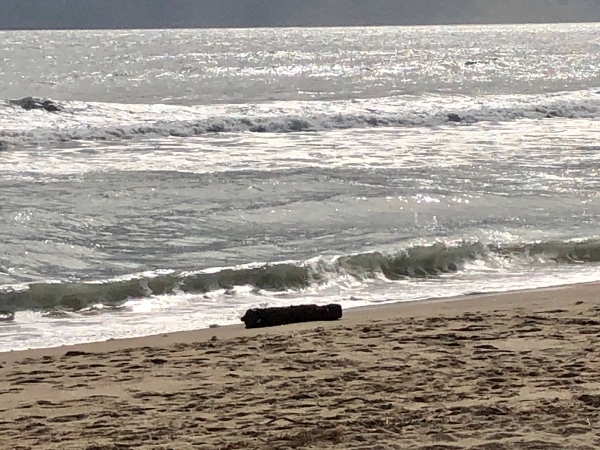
[{"x": 82, "y": 14}]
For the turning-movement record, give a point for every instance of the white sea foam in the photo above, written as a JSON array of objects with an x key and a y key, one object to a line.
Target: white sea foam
[
  {"x": 116, "y": 122},
  {"x": 171, "y": 313}
]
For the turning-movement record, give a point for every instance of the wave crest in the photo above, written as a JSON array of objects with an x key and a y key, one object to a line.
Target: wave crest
[
  {"x": 414, "y": 262},
  {"x": 103, "y": 121}
]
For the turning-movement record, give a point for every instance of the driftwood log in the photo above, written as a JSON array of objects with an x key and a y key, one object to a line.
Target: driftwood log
[{"x": 271, "y": 317}]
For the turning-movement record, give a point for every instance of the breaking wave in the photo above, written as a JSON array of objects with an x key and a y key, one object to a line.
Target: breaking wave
[
  {"x": 415, "y": 262},
  {"x": 73, "y": 121}
]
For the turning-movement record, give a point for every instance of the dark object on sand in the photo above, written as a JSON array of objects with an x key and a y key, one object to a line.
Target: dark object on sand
[
  {"x": 453, "y": 117},
  {"x": 271, "y": 317},
  {"x": 29, "y": 103},
  {"x": 3, "y": 145}
]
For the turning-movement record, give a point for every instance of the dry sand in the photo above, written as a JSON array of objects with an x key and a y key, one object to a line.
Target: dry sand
[{"x": 514, "y": 371}]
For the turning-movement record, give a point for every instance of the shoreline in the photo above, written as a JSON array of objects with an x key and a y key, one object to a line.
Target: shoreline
[
  {"x": 502, "y": 371},
  {"x": 417, "y": 308}
]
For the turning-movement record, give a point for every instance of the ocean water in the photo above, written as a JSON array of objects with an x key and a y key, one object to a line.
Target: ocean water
[{"x": 192, "y": 174}]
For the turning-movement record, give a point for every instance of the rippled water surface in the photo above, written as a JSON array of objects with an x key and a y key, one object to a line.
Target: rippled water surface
[
  {"x": 191, "y": 174},
  {"x": 237, "y": 66}
]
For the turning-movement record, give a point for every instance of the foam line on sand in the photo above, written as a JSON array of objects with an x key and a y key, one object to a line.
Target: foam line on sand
[{"x": 502, "y": 371}]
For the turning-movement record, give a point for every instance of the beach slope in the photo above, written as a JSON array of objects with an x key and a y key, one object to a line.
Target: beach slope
[{"x": 508, "y": 371}]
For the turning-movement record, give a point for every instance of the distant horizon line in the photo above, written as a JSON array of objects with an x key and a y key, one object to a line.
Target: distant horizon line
[{"x": 218, "y": 27}]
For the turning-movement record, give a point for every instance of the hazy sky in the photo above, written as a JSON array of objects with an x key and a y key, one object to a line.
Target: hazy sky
[{"x": 15, "y": 14}]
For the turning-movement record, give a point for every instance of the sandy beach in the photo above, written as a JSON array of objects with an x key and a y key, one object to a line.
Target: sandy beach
[{"x": 507, "y": 371}]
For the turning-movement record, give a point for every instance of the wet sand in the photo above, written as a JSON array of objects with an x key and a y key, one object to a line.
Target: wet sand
[{"x": 493, "y": 372}]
